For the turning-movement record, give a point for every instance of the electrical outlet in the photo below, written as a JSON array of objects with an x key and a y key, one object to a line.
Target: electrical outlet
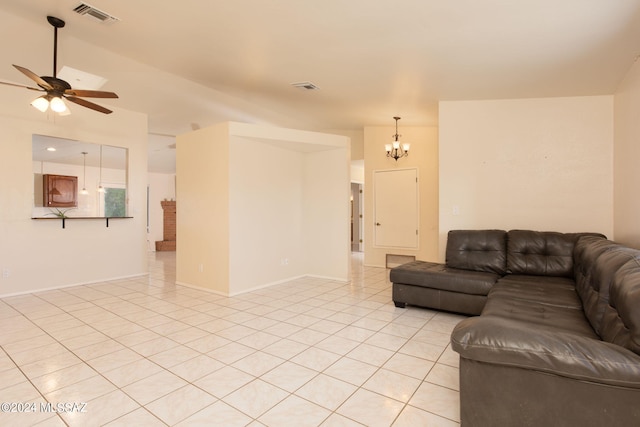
[{"x": 6, "y": 273}]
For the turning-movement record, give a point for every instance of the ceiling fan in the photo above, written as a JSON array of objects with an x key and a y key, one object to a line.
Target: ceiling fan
[{"x": 57, "y": 89}]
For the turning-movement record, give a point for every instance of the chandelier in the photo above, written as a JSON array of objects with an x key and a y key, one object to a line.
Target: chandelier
[{"x": 395, "y": 150}]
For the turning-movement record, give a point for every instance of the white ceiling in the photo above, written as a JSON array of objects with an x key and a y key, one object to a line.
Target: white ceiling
[{"x": 192, "y": 63}]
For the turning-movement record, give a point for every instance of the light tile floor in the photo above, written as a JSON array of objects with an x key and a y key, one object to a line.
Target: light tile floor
[{"x": 145, "y": 352}]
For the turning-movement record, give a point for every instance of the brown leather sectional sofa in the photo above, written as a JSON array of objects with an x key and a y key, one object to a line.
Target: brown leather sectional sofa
[{"x": 558, "y": 338}]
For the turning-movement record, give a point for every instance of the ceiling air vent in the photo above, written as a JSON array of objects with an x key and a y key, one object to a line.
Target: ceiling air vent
[
  {"x": 95, "y": 13},
  {"x": 305, "y": 86}
]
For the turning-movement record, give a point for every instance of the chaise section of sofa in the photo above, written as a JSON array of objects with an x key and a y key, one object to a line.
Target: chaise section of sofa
[
  {"x": 475, "y": 260},
  {"x": 432, "y": 285}
]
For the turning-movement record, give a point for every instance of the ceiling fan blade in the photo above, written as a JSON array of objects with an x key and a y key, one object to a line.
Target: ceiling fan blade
[
  {"x": 26, "y": 87},
  {"x": 33, "y": 76},
  {"x": 90, "y": 93},
  {"x": 88, "y": 104}
]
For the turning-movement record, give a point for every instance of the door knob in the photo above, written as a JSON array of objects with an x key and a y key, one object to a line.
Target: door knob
[{"x": 378, "y": 224}]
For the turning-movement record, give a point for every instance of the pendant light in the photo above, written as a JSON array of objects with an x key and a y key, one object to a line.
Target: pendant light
[
  {"x": 84, "y": 178},
  {"x": 100, "y": 187}
]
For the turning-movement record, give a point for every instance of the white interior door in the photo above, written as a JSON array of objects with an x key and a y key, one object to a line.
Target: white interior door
[{"x": 396, "y": 208}]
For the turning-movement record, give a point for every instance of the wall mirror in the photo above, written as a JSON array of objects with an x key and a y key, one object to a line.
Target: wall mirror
[{"x": 78, "y": 178}]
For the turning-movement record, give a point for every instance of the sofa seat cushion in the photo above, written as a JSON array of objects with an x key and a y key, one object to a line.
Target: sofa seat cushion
[
  {"x": 438, "y": 276},
  {"x": 558, "y": 291},
  {"x": 540, "y": 316}
]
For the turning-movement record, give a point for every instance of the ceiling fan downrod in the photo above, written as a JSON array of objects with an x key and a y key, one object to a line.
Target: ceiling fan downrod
[{"x": 56, "y": 23}]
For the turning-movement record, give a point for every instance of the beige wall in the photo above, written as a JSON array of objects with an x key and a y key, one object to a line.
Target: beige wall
[
  {"x": 260, "y": 205},
  {"x": 327, "y": 213},
  {"x": 202, "y": 171},
  {"x": 40, "y": 254},
  {"x": 541, "y": 164},
  {"x": 423, "y": 156},
  {"x": 357, "y": 140},
  {"x": 265, "y": 222},
  {"x": 626, "y": 159}
]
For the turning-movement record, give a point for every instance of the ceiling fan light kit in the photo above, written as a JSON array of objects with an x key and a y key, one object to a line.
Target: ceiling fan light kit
[
  {"x": 56, "y": 104},
  {"x": 57, "y": 90}
]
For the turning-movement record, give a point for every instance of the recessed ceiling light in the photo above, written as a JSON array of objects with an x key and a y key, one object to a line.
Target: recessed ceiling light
[{"x": 51, "y": 148}]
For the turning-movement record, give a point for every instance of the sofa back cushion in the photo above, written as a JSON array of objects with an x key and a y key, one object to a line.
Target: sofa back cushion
[
  {"x": 621, "y": 319},
  {"x": 608, "y": 282},
  {"x": 541, "y": 253},
  {"x": 595, "y": 262},
  {"x": 477, "y": 250}
]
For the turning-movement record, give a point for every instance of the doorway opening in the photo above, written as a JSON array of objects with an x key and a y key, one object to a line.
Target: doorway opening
[{"x": 357, "y": 223}]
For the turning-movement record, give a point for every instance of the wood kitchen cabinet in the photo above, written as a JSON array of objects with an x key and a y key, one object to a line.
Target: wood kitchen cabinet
[{"x": 60, "y": 191}]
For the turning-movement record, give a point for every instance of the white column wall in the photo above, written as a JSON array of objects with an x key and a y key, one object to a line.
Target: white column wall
[
  {"x": 202, "y": 229},
  {"x": 327, "y": 213},
  {"x": 253, "y": 198},
  {"x": 265, "y": 215}
]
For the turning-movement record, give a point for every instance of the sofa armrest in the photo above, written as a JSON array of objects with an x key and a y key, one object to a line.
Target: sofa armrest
[{"x": 502, "y": 341}]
